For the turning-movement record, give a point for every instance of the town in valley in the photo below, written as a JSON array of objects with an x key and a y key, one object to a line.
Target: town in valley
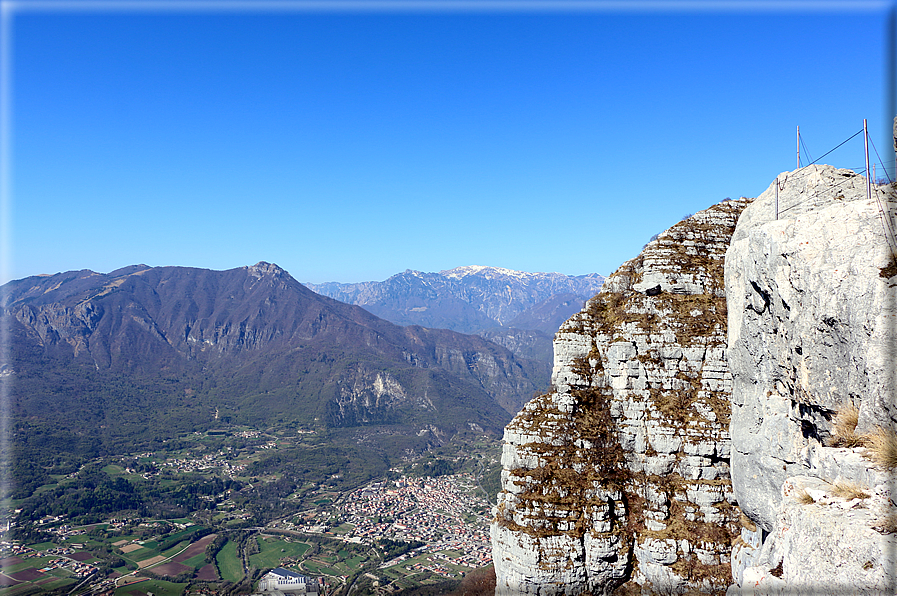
[{"x": 424, "y": 522}]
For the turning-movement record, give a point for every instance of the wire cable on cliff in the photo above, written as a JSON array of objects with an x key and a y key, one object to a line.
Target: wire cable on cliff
[
  {"x": 801, "y": 171},
  {"x": 857, "y": 133},
  {"x": 881, "y": 162}
]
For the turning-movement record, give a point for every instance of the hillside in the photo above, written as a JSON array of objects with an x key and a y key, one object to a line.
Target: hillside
[{"x": 141, "y": 354}]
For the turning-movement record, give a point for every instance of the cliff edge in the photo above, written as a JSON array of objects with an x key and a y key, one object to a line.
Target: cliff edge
[
  {"x": 621, "y": 473},
  {"x": 711, "y": 425},
  {"x": 812, "y": 313}
]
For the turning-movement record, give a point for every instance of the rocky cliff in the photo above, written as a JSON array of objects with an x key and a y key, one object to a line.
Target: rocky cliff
[
  {"x": 621, "y": 473},
  {"x": 812, "y": 318},
  {"x": 625, "y": 474}
]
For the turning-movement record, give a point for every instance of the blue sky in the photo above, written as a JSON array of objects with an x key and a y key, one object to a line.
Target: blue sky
[{"x": 352, "y": 144}]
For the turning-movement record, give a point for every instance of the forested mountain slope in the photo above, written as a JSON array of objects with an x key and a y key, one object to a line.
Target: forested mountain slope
[{"x": 138, "y": 355}]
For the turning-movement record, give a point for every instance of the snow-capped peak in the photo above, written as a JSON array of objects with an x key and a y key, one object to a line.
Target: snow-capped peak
[{"x": 487, "y": 272}]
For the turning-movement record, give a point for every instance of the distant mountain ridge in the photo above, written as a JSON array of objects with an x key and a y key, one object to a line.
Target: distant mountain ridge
[{"x": 470, "y": 299}]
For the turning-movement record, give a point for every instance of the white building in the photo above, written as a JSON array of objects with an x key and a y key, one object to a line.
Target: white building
[{"x": 284, "y": 580}]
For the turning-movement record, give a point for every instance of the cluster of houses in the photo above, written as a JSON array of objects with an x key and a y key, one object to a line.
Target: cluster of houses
[
  {"x": 430, "y": 510},
  {"x": 210, "y": 461},
  {"x": 434, "y": 567},
  {"x": 77, "y": 569},
  {"x": 470, "y": 558},
  {"x": 8, "y": 548}
]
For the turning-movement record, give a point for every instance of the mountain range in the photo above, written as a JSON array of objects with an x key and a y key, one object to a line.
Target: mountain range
[
  {"x": 516, "y": 309},
  {"x": 143, "y": 353}
]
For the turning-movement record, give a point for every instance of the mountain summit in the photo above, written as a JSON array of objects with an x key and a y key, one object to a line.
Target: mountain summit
[
  {"x": 153, "y": 351},
  {"x": 490, "y": 272}
]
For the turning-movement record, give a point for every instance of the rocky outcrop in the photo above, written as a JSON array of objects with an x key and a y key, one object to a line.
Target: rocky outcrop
[
  {"x": 812, "y": 317},
  {"x": 621, "y": 472}
]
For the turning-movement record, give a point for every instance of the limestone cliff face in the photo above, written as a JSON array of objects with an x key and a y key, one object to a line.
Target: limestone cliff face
[
  {"x": 812, "y": 319},
  {"x": 621, "y": 472}
]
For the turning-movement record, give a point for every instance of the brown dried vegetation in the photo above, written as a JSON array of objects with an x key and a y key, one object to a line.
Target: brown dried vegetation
[
  {"x": 803, "y": 497},
  {"x": 881, "y": 447},
  {"x": 844, "y": 427},
  {"x": 889, "y": 270},
  {"x": 848, "y": 491},
  {"x": 747, "y": 523}
]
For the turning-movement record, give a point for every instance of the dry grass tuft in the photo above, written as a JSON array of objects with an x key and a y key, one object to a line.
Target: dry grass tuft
[
  {"x": 881, "y": 447},
  {"x": 803, "y": 497},
  {"x": 848, "y": 491},
  {"x": 844, "y": 427}
]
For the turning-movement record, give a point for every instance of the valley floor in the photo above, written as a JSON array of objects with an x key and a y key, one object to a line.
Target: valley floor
[{"x": 396, "y": 533}]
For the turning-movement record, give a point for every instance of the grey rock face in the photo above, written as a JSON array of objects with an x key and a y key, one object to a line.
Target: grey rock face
[
  {"x": 812, "y": 319},
  {"x": 825, "y": 543},
  {"x": 621, "y": 472}
]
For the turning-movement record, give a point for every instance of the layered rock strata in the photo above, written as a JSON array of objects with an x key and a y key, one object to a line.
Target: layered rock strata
[
  {"x": 811, "y": 295},
  {"x": 621, "y": 472}
]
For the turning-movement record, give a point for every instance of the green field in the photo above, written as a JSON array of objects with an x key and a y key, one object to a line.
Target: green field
[
  {"x": 320, "y": 569},
  {"x": 45, "y": 488},
  {"x": 35, "y": 562},
  {"x": 229, "y": 563},
  {"x": 156, "y": 586},
  {"x": 57, "y": 583},
  {"x": 139, "y": 555},
  {"x": 272, "y": 550},
  {"x": 196, "y": 561}
]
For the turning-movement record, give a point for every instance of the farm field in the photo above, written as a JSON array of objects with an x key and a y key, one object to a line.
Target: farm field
[
  {"x": 274, "y": 550},
  {"x": 229, "y": 563},
  {"x": 157, "y": 587},
  {"x": 50, "y": 567}
]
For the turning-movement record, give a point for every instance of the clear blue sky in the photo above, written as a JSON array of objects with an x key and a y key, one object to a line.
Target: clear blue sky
[{"x": 352, "y": 144}]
